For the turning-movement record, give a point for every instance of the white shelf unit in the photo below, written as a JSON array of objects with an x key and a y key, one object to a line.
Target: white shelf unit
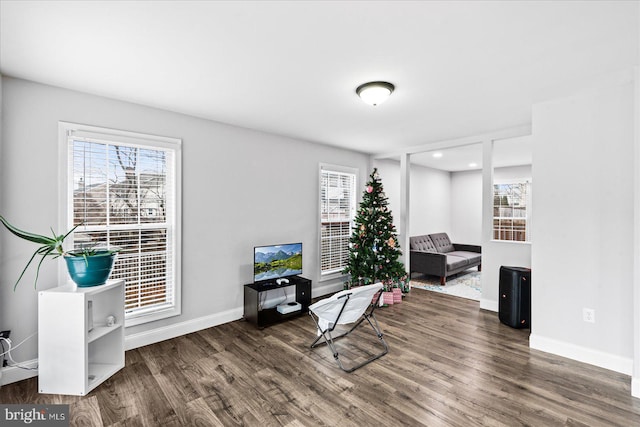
[{"x": 72, "y": 359}]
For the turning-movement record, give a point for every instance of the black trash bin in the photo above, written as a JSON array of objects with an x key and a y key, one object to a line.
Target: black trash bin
[{"x": 514, "y": 307}]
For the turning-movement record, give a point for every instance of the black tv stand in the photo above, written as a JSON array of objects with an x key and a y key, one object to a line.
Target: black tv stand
[
  {"x": 269, "y": 316},
  {"x": 268, "y": 285}
]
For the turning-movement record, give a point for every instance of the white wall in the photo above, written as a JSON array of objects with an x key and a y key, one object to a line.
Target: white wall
[
  {"x": 458, "y": 196},
  {"x": 389, "y": 171},
  {"x": 495, "y": 254},
  {"x": 512, "y": 173},
  {"x": 1, "y": 206},
  {"x": 466, "y": 207},
  {"x": 241, "y": 188},
  {"x": 466, "y": 213},
  {"x": 583, "y": 220},
  {"x": 430, "y": 196},
  {"x": 430, "y": 201},
  {"x": 466, "y": 200},
  {"x": 635, "y": 379}
]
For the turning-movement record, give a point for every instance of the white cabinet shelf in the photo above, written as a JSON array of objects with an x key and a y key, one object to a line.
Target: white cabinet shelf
[
  {"x": 73, "y": 357},
  {"x": 101, "y": 330}
]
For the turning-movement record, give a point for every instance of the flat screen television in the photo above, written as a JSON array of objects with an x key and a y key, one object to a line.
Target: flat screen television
[{"x": 276, "y": 261}]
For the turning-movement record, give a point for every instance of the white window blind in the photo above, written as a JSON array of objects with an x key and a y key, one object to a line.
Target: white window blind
[
  {"x": 123, "y": 194},
  {"x": 337, "y": 212},
  {"x": 511, "y": 211}
]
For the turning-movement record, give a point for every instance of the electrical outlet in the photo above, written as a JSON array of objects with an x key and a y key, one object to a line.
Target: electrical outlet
[
  {"x": 5, "y": 334},
  {"x": 589, "y": 315}
]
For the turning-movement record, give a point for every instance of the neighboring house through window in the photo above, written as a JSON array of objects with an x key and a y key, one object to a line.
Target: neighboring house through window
[
  {"x": 337, "y": 211},
  {"x": 511, "y": 211},
  {"x": 122, "y": 190}
]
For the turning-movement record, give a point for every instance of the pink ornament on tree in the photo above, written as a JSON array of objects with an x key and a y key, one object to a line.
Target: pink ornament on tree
[{"x": 369, "y": 189}]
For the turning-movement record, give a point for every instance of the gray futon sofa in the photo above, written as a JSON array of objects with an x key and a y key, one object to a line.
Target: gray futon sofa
[{"x": 434, "y": 254}]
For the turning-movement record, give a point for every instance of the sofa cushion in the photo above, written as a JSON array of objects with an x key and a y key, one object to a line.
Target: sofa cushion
[
  {"x": 422, "y": 243},
  {"x": 442, "y": 242},
  {"x": 472, "y": 257},
  {"x": 455, "y": 262}
]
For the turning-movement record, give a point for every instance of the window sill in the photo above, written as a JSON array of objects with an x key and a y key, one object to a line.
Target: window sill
[
  {"x": 141, "y": 318},
  {"x": 511, "y": 241}
]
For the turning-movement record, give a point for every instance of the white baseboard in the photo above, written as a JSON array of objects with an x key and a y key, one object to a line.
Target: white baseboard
[
  {"x": 319, "y": 291},
  {"x": 178, "y": 329},
  {"x": 624, "y": 365},
  {"x": 182, "y": 328},
  {"x": 635, "y": 387},
  {"x": 487, "y": 304},
  {"x": 11, "y": 374}
]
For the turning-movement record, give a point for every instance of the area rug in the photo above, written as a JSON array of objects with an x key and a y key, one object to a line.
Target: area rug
[{"x": 464, "y": 285}]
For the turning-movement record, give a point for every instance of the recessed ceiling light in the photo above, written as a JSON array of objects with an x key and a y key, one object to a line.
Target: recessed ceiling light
[
  {"x": 473, "y": 165},
  {"x": 437, "y": 155},
  {"x": 375, "y": 93}
]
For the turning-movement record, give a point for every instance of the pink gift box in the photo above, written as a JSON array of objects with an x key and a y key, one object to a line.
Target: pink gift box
[
  {"x": 387, "y": 298},
  {"x": 397, "y": 295},
  {"x": 375, "y": 298}
]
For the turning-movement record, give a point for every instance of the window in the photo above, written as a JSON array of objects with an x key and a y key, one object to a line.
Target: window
[
  {"x": 511, "y": 211},
  {"x": 122, "y": 191},
  {"x": 337, "y": 211}
]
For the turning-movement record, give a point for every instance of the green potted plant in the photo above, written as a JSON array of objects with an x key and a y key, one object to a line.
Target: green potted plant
[{"x": 86, "y": 266}]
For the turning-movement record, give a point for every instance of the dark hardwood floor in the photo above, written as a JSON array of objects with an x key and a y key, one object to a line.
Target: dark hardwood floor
[{"x": 449, "y": 364}]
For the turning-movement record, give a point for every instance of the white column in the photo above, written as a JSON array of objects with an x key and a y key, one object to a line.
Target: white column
[
  {"x": 487, "y": 191},
  {"x": 635, "y": 375},
  {"x": 405, "y": 178}
]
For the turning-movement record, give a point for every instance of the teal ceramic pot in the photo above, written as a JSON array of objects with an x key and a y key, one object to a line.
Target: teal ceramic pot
[{"x": 93, "y": 270}]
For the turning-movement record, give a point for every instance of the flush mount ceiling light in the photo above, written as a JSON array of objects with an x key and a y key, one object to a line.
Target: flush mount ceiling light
[
  {"x": 437, "y": 155},
  {"x": 375, "y": 93}
]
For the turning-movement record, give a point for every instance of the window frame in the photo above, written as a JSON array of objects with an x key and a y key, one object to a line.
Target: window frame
[
  {"x": 324, "y": 167},
  {"x": 121, "y": 137},
  {"x": 526, "y": 218}
]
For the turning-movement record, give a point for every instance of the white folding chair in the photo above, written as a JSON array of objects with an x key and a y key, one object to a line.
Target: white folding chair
[{"x": 342, "y": 308}]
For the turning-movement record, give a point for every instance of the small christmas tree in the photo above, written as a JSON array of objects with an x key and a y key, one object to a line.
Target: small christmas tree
[{"x": 373, "y": 246}]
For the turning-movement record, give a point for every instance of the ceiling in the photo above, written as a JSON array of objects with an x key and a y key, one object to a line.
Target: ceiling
[
  {"x": 508, "y": 152},
  {"x": 291, "y": 68}
]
